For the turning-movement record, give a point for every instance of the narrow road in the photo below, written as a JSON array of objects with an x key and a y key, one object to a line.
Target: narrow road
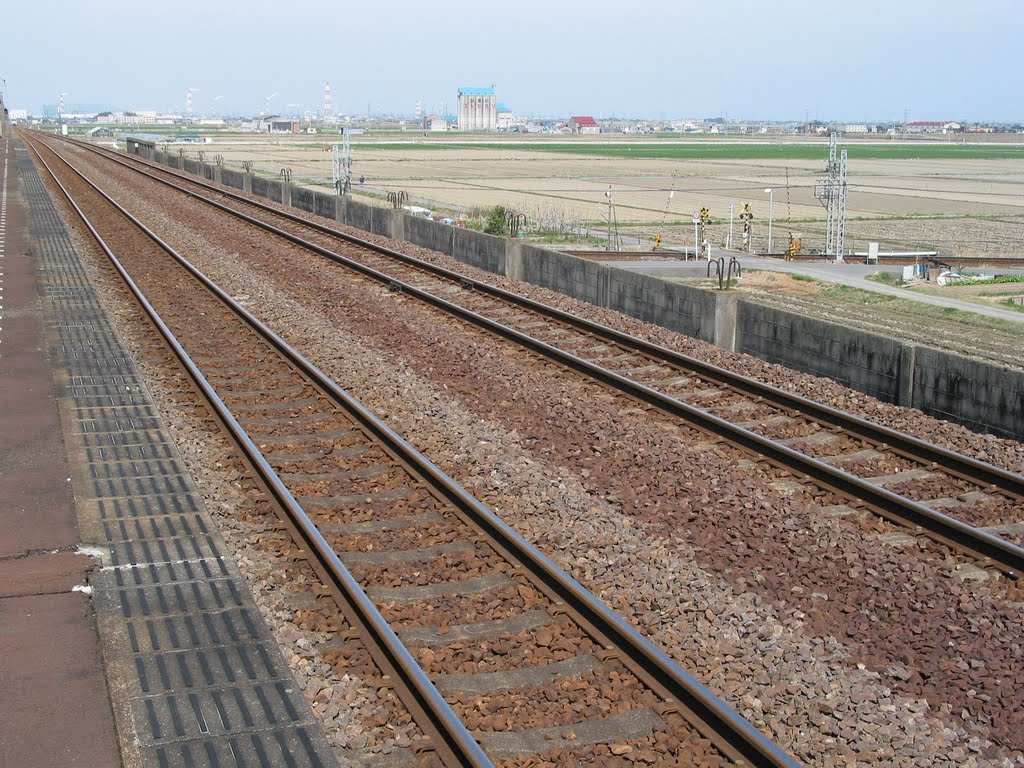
[{"x": 853, "y": 275}]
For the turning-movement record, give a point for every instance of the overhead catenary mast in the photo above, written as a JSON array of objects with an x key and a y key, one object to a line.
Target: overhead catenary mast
[{"x": 831, "y": 192}]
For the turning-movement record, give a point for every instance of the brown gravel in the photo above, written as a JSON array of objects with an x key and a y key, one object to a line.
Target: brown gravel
[{"x": 845, "y": 650}]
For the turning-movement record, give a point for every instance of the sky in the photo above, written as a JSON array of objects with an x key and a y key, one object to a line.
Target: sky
[{"x": 864, "y": 61}]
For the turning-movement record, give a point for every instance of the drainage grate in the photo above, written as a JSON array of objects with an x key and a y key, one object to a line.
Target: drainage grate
[{"x": 205, "y": 682}]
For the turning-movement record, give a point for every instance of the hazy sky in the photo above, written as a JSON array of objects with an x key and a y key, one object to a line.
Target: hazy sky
[{"x": 773, "y": 59}]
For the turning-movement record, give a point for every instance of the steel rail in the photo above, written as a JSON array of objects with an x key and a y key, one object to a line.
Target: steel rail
[
  {"x": 452, "y": 733},
  {"x": 739, "y": 734},
  {"x": 898, "y": 509},
  {"x": 980, "y": 472}
]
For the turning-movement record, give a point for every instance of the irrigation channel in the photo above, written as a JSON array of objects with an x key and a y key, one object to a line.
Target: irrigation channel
[
  {"x": 414, "y": 560},
  {"x": 974, "y": 507}
]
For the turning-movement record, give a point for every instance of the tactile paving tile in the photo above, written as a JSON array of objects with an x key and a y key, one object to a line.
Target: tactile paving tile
[{"x": 206, "y": 681}]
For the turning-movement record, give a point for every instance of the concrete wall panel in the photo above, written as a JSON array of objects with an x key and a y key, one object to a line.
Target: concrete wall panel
[
  {"x": 303, "y": 199},
  {"x": 358, "y": 215},
  {"x": 479, "y": 249},
  {"x": 863, "y": 361},
  {"x": 677, "y": 307},
  {"x": 430, "y": 234},
  {"x": 231, "y": 178},
  {"x": 571, "y": 275},
  {"x": 984, "y": 396},
  {"x": 264, "y": 187},
  {"x": 324, "y": 205},
  {"x": 381, "y": 222}
]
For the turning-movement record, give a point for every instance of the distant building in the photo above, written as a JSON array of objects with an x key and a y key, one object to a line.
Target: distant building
[
  {"x": 505, "y": 118},
  {"x": 437, "y": 123},
  {"x": 478, "y": 109},
  {"x": 99, "y": 132},
  {"x": 584, "y": 124},
  {"x": 275, "y": 124},
  {"x": 925, "y": 126}
]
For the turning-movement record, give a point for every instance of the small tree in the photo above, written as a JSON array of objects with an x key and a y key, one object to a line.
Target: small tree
[{"x": 497, "y": 221}]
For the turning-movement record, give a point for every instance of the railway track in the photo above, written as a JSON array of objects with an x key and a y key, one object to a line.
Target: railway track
[
  {"x": 497, "y": 653},
  {"x": 974, "y": 507}
]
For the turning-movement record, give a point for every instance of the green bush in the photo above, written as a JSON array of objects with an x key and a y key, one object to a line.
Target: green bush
[{"x": 497, "y": 221}]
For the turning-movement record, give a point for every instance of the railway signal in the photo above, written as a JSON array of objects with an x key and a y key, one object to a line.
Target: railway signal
[
  {"x": 795, "y": 245},
  {"x": 746, "y": 216},
  {"x": 703, "y": 216}
]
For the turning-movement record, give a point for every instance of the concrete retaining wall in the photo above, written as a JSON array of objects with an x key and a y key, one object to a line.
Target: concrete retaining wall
[
  {"x": 268, "y": 188},
  {"x": 359, "y": 215},
  {"x": 571, "y": 275},
  {"x": 985, "y": 397},
  {"x": 677, "y": 307},
  {"x": 478, "y": 249},
  {"x": 303, "y": 199},
  {"x": 382, "y": 222},
  {"x": 325, "y": 205},
  {"x": 231, "y": 178},
  {"x": 861, "y": 360},
  {"x": 430, "y": 234},
  {"x": 190, "y": 166}
]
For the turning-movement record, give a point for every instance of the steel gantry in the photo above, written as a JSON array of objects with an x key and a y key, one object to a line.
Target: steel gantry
[{"x": 831, "y": 192}]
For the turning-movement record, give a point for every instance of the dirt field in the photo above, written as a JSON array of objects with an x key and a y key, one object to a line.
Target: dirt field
[{"x": 960, "y": 207}]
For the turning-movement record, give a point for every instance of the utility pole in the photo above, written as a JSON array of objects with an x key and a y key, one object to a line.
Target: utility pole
[
  {"x": 728, "y": 240},
  {"x": 608, "y": 194}
]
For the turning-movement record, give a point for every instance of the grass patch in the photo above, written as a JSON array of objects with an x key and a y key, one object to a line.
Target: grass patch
[
  {"x": 991, "y": 281},
  {"x": 885, "y": 278},
  {"x": 552, "y": 237}
]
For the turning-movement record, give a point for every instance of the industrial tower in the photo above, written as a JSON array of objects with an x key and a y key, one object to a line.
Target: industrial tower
[
  {"x": 328, "y": 107},
  {"x": 831, "y": 191}
]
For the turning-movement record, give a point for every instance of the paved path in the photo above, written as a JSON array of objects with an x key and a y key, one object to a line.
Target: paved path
[{"x": 844, "y": 274}]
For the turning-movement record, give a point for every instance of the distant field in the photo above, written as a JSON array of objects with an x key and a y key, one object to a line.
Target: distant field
[
  {"x": 730, "y": 151},
  {"x": 958, "y": 199}
]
